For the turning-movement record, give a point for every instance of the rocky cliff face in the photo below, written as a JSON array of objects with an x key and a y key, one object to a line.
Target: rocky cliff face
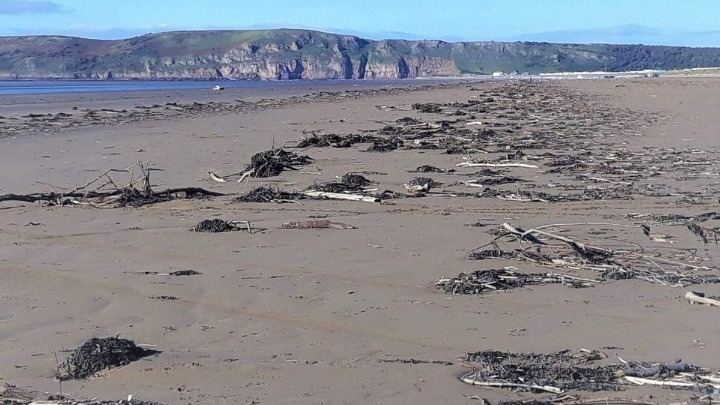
[{"x": 300, "y": 54}]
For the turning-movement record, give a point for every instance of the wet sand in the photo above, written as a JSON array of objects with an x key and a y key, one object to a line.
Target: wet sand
[{"x": 310, "y": 316}]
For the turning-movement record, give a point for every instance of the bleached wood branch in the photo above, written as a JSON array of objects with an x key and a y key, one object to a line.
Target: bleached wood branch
[
  {"x": 662, "y": 383},
  {"x": 694, "y": 298},
  {"x": 467, "y": 379},
  {"x": 472, "y": 164},
  {"x": 340, "y": 196}
]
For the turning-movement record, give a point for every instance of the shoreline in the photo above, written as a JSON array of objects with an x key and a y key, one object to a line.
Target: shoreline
[{"x": 57, "y": 112}]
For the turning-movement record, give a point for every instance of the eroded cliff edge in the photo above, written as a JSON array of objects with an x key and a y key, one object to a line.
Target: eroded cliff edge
[{"x": 304, "y": 54}]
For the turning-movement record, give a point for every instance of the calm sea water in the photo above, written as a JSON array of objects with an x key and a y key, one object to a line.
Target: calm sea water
[{"x": 70, "y": 86}]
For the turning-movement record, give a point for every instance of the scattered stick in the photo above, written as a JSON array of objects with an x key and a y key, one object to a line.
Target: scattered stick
[
  {"x": 662, "y": 383},
  {"x": 136, "y": 193},
  {"x": 217, "y": 178},
  {"x": 473, "y": 164},
  {"x": 468, "y": 379},
  {"x": 317, "y": 224}
]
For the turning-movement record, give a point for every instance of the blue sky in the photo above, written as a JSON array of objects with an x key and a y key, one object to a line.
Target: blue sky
[{"x": 670, "y": 22}]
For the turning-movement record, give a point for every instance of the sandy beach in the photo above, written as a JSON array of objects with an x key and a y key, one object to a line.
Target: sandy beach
[{"x": 311, "y": 316}]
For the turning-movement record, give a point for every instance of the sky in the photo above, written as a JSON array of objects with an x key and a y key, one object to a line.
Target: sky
[{"x": 657, "y": 22}]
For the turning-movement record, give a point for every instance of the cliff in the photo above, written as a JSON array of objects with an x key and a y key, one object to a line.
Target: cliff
[{"x": 303, "y": 54}]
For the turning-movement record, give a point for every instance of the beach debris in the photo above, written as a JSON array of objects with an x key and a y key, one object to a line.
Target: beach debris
[
  {"x": 579, "y": 370},
  {"x": 470, "y": 163},
  {"x": 431, "y": 108},
  {"x": 419, "y": 185},
  {"x": 137, "y": 192},
  {"x": 695, "y": 297},
  {"x": 497, "y": 180},
  {"x": 217, "y": 178},
  {"x": 705, "y": 234},
  {"x": 272, "y": 162},
  {"x": 339, "y": 196},
  {"x": 384, "y": 145},
  {"x": 355, "y": 181},
  {"x": 172, "y": 273},
  {"x": 219, "y": 225},
  {"x": 674, "y": 267},
  {"x": 417, "y": 361},
  {"x": 265, "y": 194},
  {"x": 319, "y": 141},
  {"x": 482, "y": 281},
  {"x": 215, "y": 225},
  {"x": 100, "y": 354},
  {"x": 348, "y": 182},
  {"x": 334, "y": 140},
  {"x": 316, "y": 224},
  {"x": 555, "y": 373},
  {"x": 13, "y": 395},
  {"x": 432, "y": 169},
  {"x": 43, "y": 122},
  {"x": 182, "y": 273},
  {"x": 218, "y": 87}
]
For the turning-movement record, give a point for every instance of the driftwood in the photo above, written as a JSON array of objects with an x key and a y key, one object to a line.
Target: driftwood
[
  {"x": 417, "y": 361},
  {"x": 13, "y": 395},
  {"x": 699, "y": 298},
  {"x": 172, "y": 273},
  {"x": 316, "y": 224},
  {"x": 663, "y": 383},
  {"x": 477, "y": 164},
  {"x": 339, "y": 196},
  {"x": 470, "y": 379},
  {"x": 217, "y": 178},
  {"x": 667, "y": 267},
  {"x": 482, "y": 281},
  {"x": 136, "y": 193},
  {"x": 555, "y": 372},
  {"x": 565, "y": 370}
]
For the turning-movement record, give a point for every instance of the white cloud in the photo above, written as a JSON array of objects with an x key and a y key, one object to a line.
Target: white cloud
[{"x": 14, "y": 7}]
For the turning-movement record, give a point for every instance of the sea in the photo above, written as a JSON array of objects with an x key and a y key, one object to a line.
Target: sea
[{"x": 20, "y": 87}]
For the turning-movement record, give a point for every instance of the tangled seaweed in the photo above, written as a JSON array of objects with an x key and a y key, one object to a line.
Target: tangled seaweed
[
  {"x": 319, "y": 141},
  {"x": 482, "y": 281},
  {"x": 431, "y": 169},
  {"x": 264, "y": 194},
  {"x": 100, "y": 354},
  {"x": 428, "y": 108},
  {"x": 215, "y": 225},
  {"x": 336, "y": 141},
  {"x": 348, "y": 182},
  {"x": 272, "y": 162},
  {"x": 425, "y": 182},
  {"x": 384, "y": 145},
  {"x": 530, "y": 371}
]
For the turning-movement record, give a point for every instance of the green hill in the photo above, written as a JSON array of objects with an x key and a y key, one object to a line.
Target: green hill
[{"x": 303, "y": 54}]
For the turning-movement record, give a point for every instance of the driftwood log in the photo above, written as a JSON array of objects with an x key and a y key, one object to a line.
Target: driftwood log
[
  {"x": 137, "y": 192},
  {"x": 699, "y": 298},
  {"x": 340, "y": 196}
]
